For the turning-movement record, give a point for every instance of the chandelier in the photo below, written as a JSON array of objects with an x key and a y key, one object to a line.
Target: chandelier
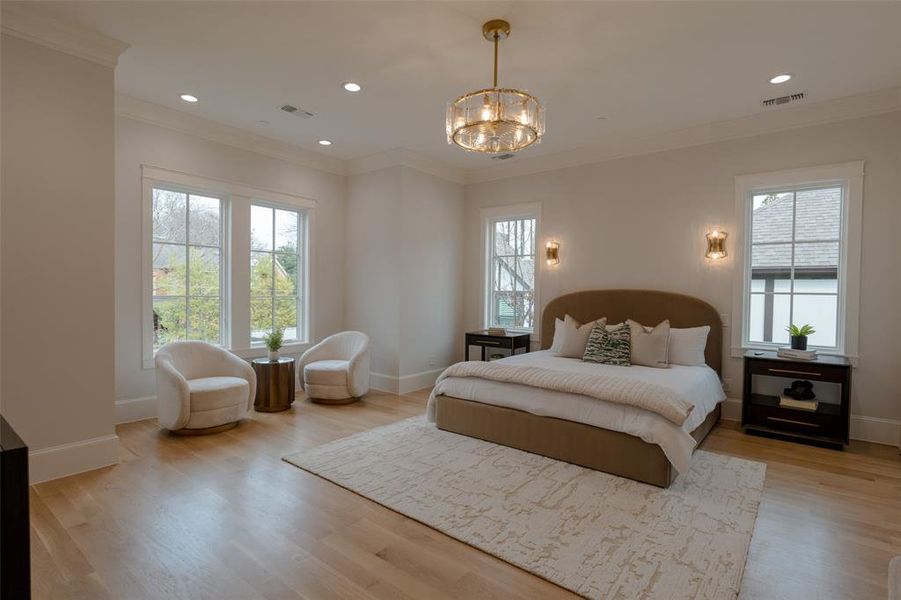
[{"x": 495, "y": 120}]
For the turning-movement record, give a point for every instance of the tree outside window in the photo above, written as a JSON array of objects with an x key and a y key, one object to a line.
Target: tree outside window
[
  {"x": 276, "y": 272},
  {"x": 187, "y": 267},
  {"x": 512, "y": 273}
]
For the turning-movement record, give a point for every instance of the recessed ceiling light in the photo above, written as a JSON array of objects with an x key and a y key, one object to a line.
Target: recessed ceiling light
[
  {"x": 781, "y": 78},
  {"x": 188, "y": 98},
  {"x": 325, "y": 143},
  {"x": 350, "y": 86}
]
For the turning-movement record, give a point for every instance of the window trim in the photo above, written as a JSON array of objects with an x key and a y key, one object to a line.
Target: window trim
[
  {"x": 850, "y": 177},
  {"x": 237, "y": 198},
  {"x": 499, "y": 213}
]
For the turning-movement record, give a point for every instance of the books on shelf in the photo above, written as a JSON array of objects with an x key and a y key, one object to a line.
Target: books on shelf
[
  {"x": 796, "y": 354},
  {"x": 496, "y": 331},
  {"x": 809, "y": 405}
]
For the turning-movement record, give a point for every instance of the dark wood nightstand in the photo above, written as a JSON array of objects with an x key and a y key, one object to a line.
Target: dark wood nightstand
[
  {"x": 765, "y": 373},
  {"x": 494, "y": 346}
]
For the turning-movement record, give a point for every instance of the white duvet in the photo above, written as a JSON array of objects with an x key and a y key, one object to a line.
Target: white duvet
[{"x": 698, "y": 384}]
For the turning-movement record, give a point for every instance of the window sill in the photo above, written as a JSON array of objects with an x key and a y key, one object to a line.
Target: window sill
[
  {"x": 250, "y": 353},
  {"x": 261, "y": 351},
  {"x": 739, "y": 352}
]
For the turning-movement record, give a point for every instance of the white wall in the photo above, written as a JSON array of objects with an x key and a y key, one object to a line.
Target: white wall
[
  {"x": 404, "y": 232},
  {"x": 639, "y": 222},
  {"x": 431, "y": 225},
  {"x": 140, "y": 143},
  {"x": 58, "y": 241},
  {"x": 373, "y": 266}
]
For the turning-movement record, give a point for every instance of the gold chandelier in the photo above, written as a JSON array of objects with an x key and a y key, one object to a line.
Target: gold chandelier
[{"x": 495, "y": 120}]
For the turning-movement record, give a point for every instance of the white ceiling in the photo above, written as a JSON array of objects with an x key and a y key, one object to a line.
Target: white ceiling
[{"x": 647, "y": 68}]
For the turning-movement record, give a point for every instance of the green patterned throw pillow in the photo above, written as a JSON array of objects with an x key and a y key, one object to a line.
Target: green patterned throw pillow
[{"x": 609, "y": 345}]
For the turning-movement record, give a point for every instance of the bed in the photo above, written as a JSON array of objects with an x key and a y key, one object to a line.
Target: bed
[{"x": 622, "y": 440}]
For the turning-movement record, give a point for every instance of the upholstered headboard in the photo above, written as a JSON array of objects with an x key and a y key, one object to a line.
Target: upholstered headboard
[{"x": 648, "y": 307}]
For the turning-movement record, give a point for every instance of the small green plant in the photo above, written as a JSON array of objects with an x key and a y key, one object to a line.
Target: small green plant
[
  {"x": 802, "y": 331},
  {"x": 274, "y": 340}
]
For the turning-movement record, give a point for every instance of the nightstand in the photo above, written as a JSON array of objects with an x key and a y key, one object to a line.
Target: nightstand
[
  {"x": 494, "y": 347},
  {"x": 765, "y": 374}
]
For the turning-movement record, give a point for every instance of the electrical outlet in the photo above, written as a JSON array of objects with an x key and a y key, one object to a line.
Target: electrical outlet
[
  {"x": 431, "y": 360},
  {"x": 727, "y": 384},
  {"x": 724, "y": 317}
]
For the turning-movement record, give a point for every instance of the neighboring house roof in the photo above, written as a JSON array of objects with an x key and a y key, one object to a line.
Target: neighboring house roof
[{"x": 818, "y": 216}]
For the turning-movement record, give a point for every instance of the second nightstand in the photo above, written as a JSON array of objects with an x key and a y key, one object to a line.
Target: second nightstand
[
  {"x": 761, "y": 413},
  {"x": 494, "y": 347}
]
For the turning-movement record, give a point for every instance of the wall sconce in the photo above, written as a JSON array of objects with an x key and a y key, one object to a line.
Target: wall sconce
[
  {"x": 716, "y": 245},
  {"x": 552, "y": 253}
]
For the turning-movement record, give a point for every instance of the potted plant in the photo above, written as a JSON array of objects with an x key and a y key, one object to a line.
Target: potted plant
[
  {"x": 274, "y": 341},
  {"x": 799, "y": 335}
]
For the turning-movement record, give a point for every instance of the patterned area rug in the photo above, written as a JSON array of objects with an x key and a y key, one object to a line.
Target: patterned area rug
[{"x": 598, "y": 535}]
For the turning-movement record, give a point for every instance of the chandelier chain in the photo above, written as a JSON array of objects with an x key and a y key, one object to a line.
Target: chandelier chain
[{"x": 496, "y": 38}]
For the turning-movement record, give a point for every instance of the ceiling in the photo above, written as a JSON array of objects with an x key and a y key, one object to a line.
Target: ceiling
[{"x": 604, "y": 70}]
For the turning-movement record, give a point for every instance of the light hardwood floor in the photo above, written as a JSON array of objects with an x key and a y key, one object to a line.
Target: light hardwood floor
[{"x": 223, "y": 517}]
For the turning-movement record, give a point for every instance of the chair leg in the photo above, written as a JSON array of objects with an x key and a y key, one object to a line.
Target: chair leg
[{"x": 205, "y": 430}]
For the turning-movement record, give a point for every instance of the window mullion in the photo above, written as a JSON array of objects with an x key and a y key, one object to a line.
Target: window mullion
[
  {"x": 272, "y": 280},
  {"x": 791, "y": 278},
  {"x": 187, "y": 266}
]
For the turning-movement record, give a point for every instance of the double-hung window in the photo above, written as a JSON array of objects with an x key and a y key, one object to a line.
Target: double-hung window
[
  {"x": 510, "y": 291},
  {"x": 187, "y": 259},
  {"x": 801, "y": 233},
  {"x": 223, "y": 263},
  {"x": 276, "y": 272}
]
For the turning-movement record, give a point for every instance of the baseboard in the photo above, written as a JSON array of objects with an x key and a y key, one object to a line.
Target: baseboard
[
  {"x": 865, "y": 429},
  {"x": 75, "y": 457},
  {"x": 875, "y": 429},
  {"x": 405, "y": 384},
  {"x": 731, "y": 408},
  {"x": 383, "y": 383},
  {"x": 135, "y": 409}
]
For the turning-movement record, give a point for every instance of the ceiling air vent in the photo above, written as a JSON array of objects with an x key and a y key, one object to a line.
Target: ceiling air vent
[
  {"x": 297, "y": 112},
  {"x": 505, "y": 156},
  {"x": 785, "y": 99}
]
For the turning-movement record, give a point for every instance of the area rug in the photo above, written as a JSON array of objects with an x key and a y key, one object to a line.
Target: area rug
[{"x": 595, "y": 534}]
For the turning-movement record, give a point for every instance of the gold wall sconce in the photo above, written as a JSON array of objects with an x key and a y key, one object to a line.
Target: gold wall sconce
[
  {"x": 716, "y": 245},
  {"x": 552, "y": 253}
]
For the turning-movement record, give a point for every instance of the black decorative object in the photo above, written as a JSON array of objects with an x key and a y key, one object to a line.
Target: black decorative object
[{"x": 800, "y": 390}]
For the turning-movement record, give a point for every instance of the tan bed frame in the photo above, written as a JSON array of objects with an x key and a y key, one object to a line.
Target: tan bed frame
[{"x": 594, "y": 447}]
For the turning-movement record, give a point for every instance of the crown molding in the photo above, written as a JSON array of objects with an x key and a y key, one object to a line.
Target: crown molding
[
  {"x": 771, "y": 121},
  {"x": 162, "y": 116},
  {"x": 23, "y": 20},
  {"x": 406, "y": 158}
]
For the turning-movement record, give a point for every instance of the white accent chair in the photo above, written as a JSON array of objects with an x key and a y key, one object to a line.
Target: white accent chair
[
  {"x": 336, "y": 370},
  {"x": 202, "y": 388}
]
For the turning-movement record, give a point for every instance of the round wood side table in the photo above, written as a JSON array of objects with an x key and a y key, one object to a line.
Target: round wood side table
[{"x": 275, "y": 384}]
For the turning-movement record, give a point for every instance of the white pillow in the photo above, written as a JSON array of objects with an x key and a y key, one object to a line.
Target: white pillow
[
  {"x": 686, "y": 346},
  {"x": 649, "y": 345},
  {"x": 558, "y": 336},
  {"x": 575, "y": 336}
]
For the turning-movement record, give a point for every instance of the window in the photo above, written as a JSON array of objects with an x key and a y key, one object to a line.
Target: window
[
  {"x": 276, "y": 272},
  {"x": 795, "y": 249},
  {"x": 187, "y": 267},
  {"x": 510, "y": 296},
  {"x": 800, "y": 256},
  {"x": 223, "y": 263}
]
